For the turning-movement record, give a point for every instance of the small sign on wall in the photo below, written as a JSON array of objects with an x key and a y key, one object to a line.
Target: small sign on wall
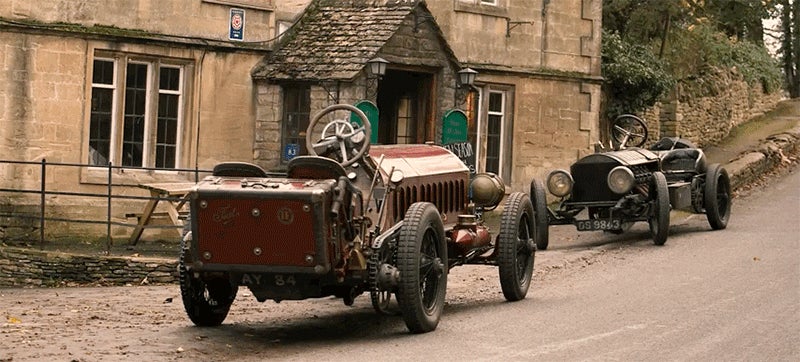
[
  {"x": 290, "y": 151},
  {"x": 236, "y": 28}
]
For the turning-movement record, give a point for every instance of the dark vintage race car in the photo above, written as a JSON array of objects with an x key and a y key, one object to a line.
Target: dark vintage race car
[
  {"x": 351, "y": 218},
  {"x": 629, "y": 184}
]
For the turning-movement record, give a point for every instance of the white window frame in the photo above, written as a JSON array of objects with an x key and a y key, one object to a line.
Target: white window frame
[
  {"x": 502, "y": 113},
  {"x": 181, "y": 97},
  {"x": 120, "y": 64},
  {"x": 112, "y": 152}
]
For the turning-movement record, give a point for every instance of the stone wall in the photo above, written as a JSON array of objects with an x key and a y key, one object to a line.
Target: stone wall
[
  {"x": 24, "y": 267},
  {"x": 728, "y": 101}
]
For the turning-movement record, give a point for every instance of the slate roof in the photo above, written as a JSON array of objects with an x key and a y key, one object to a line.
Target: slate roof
[{"x": 334, "y": 39}]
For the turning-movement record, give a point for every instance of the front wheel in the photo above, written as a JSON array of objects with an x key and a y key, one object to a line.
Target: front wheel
[
  {"x": 422, "y": 263},
  {"x": 541, "y": 223},
  {"x": 516, "y": 248},
  {"x": 659, "y": 213},
  {"x": 717, "y": 197},
  {"x": 206, "y": 302}
]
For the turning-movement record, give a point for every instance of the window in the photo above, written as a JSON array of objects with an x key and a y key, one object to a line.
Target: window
[
  {"x": 406, "y": 121},
  {"x": 122, "y": 128},
  {"x": 496, "y": 8},
  {"x": 296, "y": 111},
  {"x": 495, "y": 120}
]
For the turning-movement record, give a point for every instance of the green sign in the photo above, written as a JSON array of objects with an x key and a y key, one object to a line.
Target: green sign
[
  {"x": 371, "y": 111},
  {"x": 454, "y": 137},
  {"x": 454, "y": 127}
]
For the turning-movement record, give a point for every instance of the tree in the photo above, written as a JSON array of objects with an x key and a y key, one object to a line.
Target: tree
[
  {"x": 790, "y": 45},
  {"x": 741, "y": 19}
]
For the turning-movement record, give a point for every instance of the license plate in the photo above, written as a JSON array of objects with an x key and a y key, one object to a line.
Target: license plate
[{"x": 598, "y": 224}]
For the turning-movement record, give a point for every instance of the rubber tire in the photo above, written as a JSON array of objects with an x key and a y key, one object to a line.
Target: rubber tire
[
  {"x": 206, "y": 303},
  {"x": 541, "y": 222},
  {"x": 515, "y": 246},
  {"x": 421, "y": 293},
  {"x": 717, "y": 196},
  {"x": 659, "y": 218}
]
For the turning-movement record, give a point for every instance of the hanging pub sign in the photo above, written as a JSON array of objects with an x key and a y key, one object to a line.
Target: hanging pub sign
[
  {"x": 454, "y": 137},
  {"x": 236, "y": 28}
]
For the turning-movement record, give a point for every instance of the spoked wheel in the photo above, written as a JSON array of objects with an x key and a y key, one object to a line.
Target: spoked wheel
[
  {"x": 207, "y": 302},
  {"x": 659, "y": 214},
  {"x": 541, "y": 224},
  {"x": 629, "y": 131},
  {"x": 422, "y": 263},
  {"x": 516, "y": 247},
  {"x": 717, "y": 196}
]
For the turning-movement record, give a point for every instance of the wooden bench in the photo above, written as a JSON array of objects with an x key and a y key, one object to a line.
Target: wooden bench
[{"x": 174, "y": 196}]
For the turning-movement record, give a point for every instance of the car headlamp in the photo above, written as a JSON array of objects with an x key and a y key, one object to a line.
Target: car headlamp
[
  {"x": 559, "y": 183},
  {"x": 621, "y": 180}
]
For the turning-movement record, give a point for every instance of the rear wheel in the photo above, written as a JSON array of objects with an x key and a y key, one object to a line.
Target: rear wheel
[
  {"x": 516, "y": 248},
  {"x": 206, "y": 302},
  {"x": 717, "y": 197},
  {"x": 541, "y": 225},
  {"x": 659, "y": 214},
  {"x": 422, "y": 263}
]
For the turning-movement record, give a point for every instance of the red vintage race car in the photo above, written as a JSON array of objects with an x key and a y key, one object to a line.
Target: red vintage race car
[{"x": 349, "y": 219}]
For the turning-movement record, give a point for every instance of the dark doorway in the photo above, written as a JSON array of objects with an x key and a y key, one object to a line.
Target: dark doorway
[{"x": 404, "y": 105}]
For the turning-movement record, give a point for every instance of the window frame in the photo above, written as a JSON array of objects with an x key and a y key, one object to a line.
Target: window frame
[
  {"x": 506, "y": 155},
  {"x": 495, "y": 8},
  {"x": 501, "y": 136},
  {"x": 121, "y": 61},
  {"x": 305, "y": 89}
]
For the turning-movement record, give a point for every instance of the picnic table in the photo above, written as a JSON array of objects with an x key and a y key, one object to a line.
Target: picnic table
[{"x": 172, "y": 195}]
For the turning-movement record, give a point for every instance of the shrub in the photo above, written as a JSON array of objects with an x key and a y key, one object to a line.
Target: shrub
[{"x": 634, "y": 78}]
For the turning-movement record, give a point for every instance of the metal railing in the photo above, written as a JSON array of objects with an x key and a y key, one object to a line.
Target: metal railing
[{"x": 109, "y": 196}]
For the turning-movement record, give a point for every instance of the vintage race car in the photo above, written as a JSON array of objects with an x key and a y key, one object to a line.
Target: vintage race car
[
  {"x": 628, "y": 184},
  {"x": 351, "y": 218}
]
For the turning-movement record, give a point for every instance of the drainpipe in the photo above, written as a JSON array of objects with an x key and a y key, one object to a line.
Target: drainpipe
[
  {"x": 544, "y": 33},
  {"x": 199, "y": 90}
]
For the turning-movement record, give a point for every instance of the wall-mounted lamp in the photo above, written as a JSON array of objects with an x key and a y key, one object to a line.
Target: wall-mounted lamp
[
  {"x": 467, "y": 76},
  {"x": 377, "y": 67},
  {"x": 376, "y": 70},
  {"x": 466, "y": 79}
]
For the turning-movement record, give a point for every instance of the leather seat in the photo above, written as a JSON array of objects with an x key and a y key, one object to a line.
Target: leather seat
[
  {"x": 238, "y": 169},
  {"x": 684, "y": 160}
]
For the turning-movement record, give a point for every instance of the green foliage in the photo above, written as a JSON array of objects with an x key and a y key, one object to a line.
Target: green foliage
[
  {"x": 640, "y": 20},
  {"x": 635, "y": 78},
  {"x": 711, "y": 51}
]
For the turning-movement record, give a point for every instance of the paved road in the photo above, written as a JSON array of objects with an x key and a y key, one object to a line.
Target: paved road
[{"x": 706, "y": 295}]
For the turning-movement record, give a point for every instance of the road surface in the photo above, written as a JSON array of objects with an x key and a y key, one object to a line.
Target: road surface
[{"x": 732, "y": 294}]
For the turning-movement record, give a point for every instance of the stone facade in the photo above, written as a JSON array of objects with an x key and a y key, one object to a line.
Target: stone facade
[
  {"x": 45, "y": 99},
  {"x": 546, "y": 56},
  {"x": 408, "y": 44}
]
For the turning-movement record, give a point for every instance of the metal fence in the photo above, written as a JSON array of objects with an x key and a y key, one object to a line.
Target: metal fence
[{"x": 109, "y": 196}]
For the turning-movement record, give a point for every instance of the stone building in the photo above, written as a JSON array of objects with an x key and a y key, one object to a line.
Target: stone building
[
  {"x": 162, "y": 87},
  {"x": 534, "y": 105}
]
